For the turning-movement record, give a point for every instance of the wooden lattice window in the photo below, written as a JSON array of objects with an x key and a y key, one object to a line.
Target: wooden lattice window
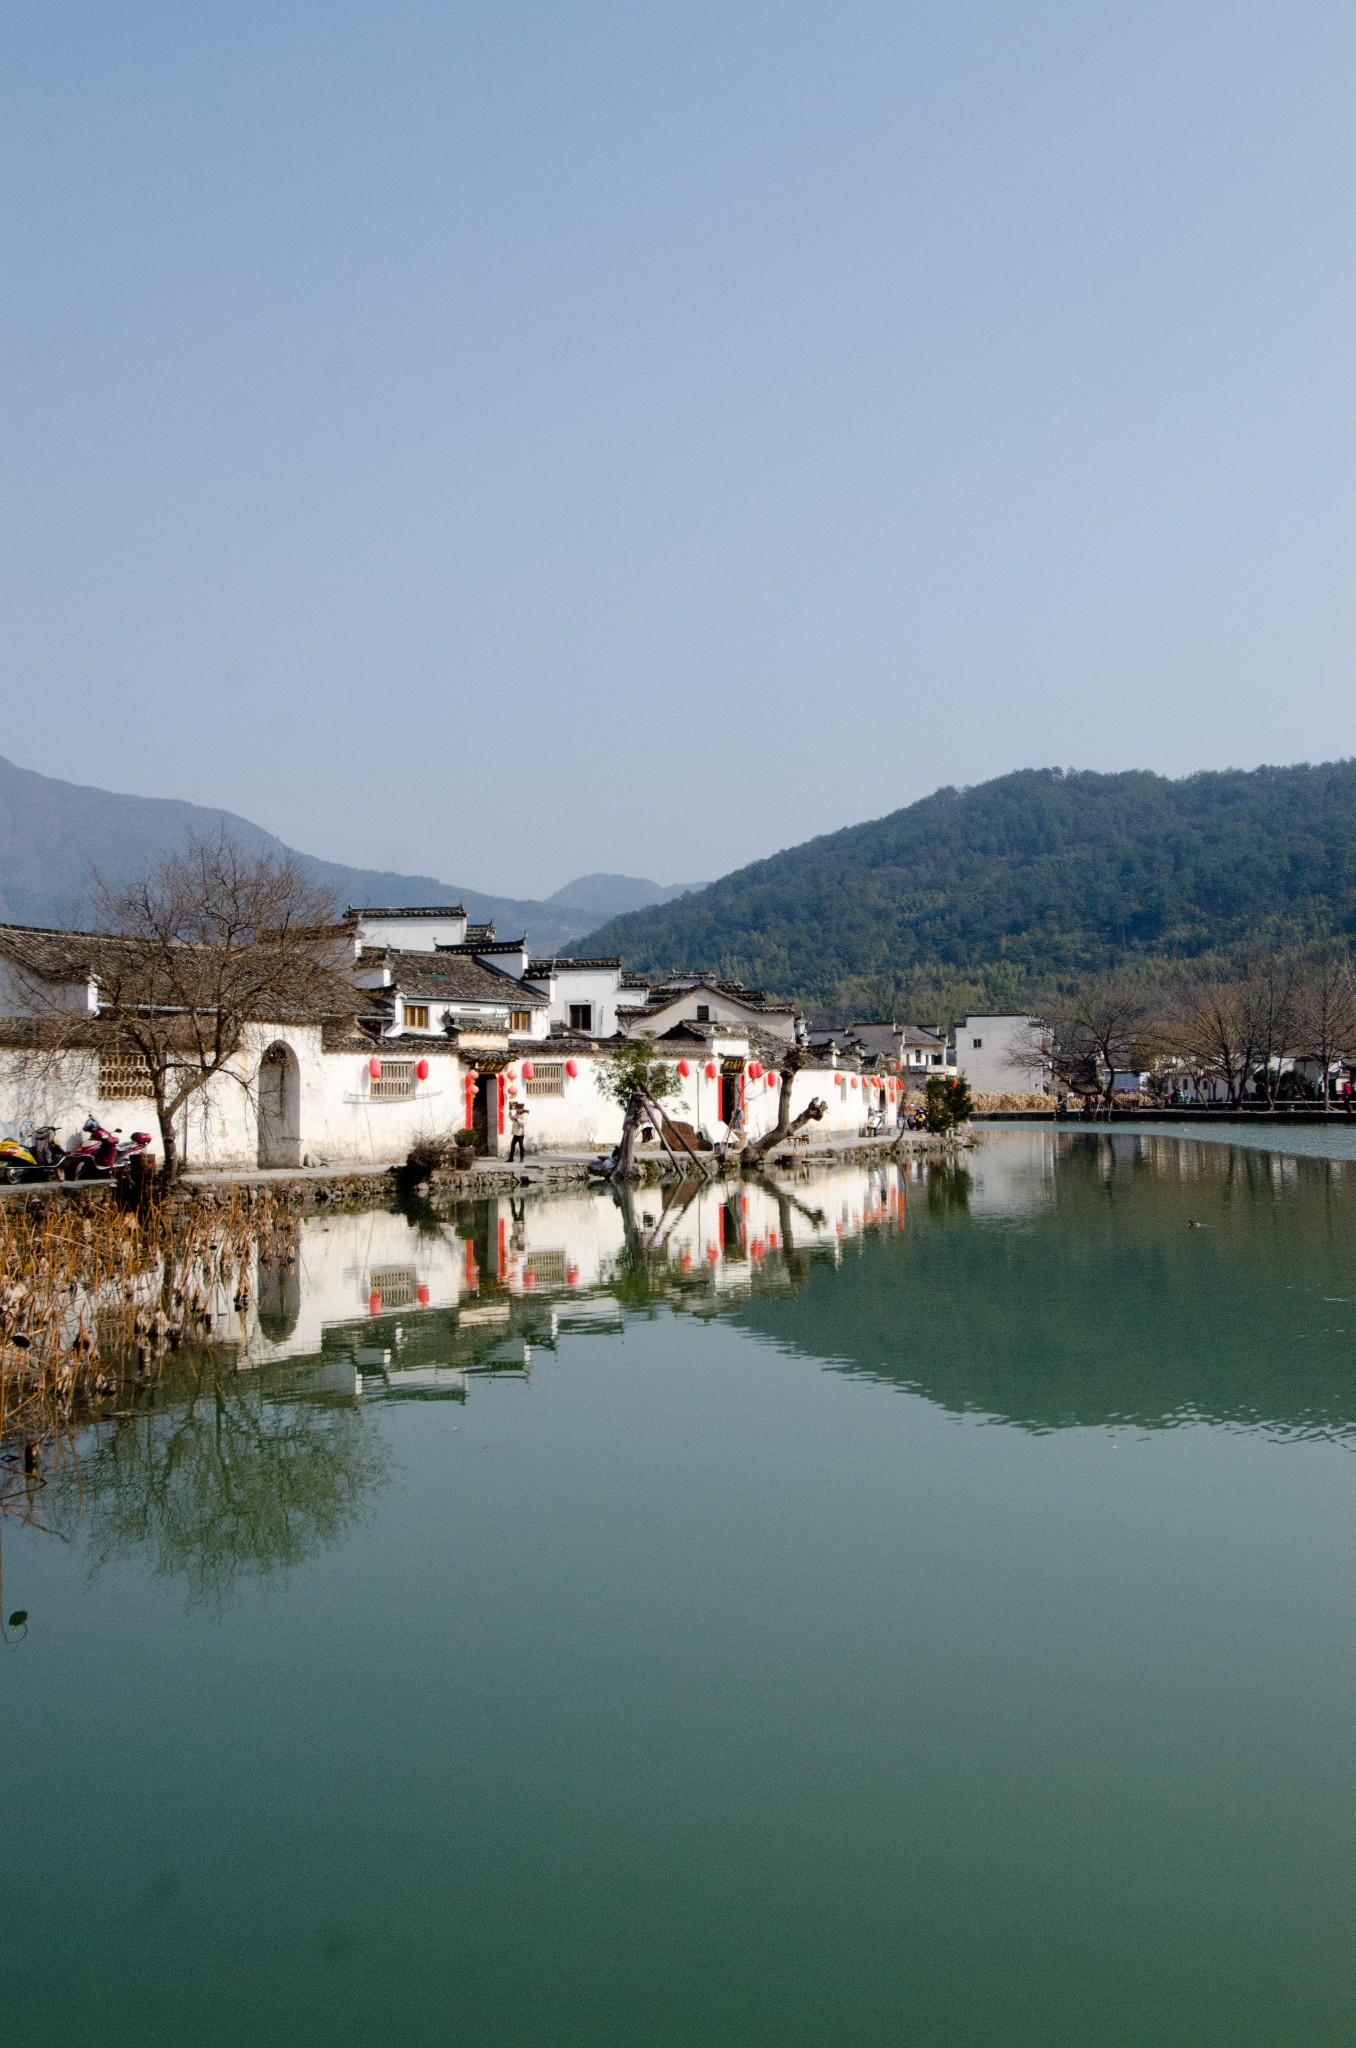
[
  {"x": 395, "y": 1284},
  {"x": 395, "y": 1081},
  {"x": 520, "y": 1020},
  {"x": 124, "y": 1077},
  {"x": 548, "y": 1078},
  {"x": 416, "y": 1016}
]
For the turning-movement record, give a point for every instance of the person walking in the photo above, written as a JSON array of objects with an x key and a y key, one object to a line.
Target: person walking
[{"x": 517, "y": 1118}]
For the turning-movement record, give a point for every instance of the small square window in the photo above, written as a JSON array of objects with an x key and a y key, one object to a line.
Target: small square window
[
  {"x": 978, "y": 1044},
  {"x": 416, "y": 1016},
  {"x": 581, "y": 1016},
  {"x": 520, "y": 1020},
  {"x": 703, "y": 1013}
]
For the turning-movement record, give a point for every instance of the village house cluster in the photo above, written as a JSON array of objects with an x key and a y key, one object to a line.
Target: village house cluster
[{"x": 435, "y": 1026}]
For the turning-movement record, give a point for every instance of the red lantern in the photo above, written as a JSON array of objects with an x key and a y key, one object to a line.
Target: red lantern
[
  {"x": 755, "y": 1069},
  {"x": 772, "y": 1080},
  {"x": 572, "y": 1068},
  {"x": 529, "y": 1071},
  {"x": 374, "y": 1067},
  {"x": 710, "y": 1070},
  {"x": 421, "y": 1071},
  {"x": 854, "y": 1080},
  {"x": 684, "y": 1069}
]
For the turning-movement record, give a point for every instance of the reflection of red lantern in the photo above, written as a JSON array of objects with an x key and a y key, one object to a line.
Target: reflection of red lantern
[
  {"x": 421, "y": 1071},
  {"x": 374, "y": 1303},
  {"x": 572, "y": 1276},
  {"x": 374, "y": 1067},
  {"x": 572, "y": 1068},
  {"x": 529, "y": 1071},
  {"x": 710, "y": 1070},
  {"x": 421, "y": 1294},
  {"x": 684, "y": 1069}
]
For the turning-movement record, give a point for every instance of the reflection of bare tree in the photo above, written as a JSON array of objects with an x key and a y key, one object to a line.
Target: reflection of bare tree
[
  {"x": 797, "y": 1266},
  {"x": 227, "y": 1485}
]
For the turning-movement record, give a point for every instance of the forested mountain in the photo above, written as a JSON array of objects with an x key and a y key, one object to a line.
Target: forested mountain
[
  {"x": 53, "y": 835},
  {"x": 989, "y": 894}
]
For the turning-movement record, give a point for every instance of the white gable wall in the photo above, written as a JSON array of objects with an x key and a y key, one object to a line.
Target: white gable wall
[
  {"x": 597, "y": 986},
  {"x": 413, "y": 934},
  {"x": 999, "y": 1054}
]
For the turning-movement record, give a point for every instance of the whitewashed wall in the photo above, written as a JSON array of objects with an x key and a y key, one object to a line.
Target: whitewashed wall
[
  {"x": 342, "y": 1122},
  {"x": 595, "y": 985}
]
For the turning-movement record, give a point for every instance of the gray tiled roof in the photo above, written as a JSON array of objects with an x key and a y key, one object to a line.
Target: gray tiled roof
[
  {"x": 405, "y": 910},
  {"x": 451, "y": 976},
  {"x": 566, "y": 966}
]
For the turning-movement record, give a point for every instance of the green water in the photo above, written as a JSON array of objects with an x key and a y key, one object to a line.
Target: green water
[{"x": 950, "y": 1638}]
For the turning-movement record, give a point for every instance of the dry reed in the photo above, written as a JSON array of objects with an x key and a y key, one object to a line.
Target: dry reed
[{"x": 93, "y": 1297}]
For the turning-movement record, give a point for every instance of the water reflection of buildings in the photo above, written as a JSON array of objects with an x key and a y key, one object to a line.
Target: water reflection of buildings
[
  {"x": 1012, "y": 1173},
  {"x": 390, "y": 1304}
]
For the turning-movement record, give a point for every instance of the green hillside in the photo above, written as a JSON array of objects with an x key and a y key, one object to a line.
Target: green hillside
[{"x": 985, "y": 895}]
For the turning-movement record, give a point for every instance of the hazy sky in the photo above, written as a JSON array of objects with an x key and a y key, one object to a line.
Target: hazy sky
[{"x": 509, "y": 440}]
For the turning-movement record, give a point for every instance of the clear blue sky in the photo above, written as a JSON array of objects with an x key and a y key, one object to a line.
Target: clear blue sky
[{"x": 511, "y": 440}]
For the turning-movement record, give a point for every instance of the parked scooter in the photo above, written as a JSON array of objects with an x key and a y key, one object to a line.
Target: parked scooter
[
  {"x": 37, "y": 1155},
  {"x": 105, "y": 1155}
]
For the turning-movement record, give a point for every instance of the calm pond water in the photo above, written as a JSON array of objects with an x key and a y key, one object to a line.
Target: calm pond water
[{"x": 909, "y": 1607}]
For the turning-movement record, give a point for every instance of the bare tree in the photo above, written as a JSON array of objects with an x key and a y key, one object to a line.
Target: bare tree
[
  {"x": 1214, "y": 1030},
  {"x": 1236, "y": 1031},
  {"x": 1325, "y": 1012},
  {"x": 207, "y": 941},
  {"x": 1271, "y": 980},
  {"x": 1104, "y": 1028},
  {"x": 786, "y": 1126}
]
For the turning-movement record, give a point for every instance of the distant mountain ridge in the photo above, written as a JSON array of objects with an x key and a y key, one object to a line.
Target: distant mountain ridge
[
  {"x": 53, "y": 833},
  {"x": 614, "y": 895},
  {"x": 986, "y": 895}
]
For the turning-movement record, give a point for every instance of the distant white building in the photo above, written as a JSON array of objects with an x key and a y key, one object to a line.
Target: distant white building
[{"x": 1003, "y": 1055}]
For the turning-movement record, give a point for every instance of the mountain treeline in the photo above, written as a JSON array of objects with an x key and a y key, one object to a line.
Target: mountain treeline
[{"x": 987, "y": 896}]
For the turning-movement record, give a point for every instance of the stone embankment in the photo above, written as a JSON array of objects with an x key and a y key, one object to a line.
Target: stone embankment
[{"x": 315, "y": 1187}]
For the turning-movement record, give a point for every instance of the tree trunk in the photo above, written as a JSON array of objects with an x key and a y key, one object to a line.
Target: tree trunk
[
  {"x": 785, "y": 1128},
  {"x": 171, "y": 1164},
  {"x": 791, "y": 1063},
  {"x": 626, "y": 1150}
]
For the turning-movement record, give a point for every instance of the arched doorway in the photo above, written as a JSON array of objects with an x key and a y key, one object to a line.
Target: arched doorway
[{"x": 279, "y": 1107}]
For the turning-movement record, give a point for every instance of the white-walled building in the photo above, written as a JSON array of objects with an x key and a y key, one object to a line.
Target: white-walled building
[{"x": 1000, "y": 1055}]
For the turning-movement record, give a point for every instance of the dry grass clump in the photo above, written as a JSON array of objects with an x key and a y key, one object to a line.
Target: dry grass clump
[
  {"x": 1001, "y": 1102},
  {"x": 92, "y": 1297}
]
